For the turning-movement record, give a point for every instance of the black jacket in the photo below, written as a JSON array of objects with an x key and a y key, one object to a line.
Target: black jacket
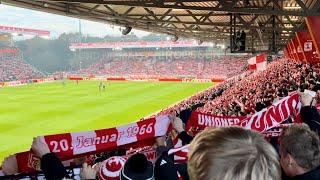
[
  {"x": 311, "y": 116},
  {"x": 185, "y": 137},
  {"x": 311, "y": 175},
  {"x": 52, "y": 167}
]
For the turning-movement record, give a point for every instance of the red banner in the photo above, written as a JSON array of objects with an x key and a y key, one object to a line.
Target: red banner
[
  {"x": 294, "y": 50},
  {"x": 301, "y": 48},
  {"x": 308, "y": 46},
  {"x": 298, "y": 49},
  {"x": 286, "y": 53},
  {"x": 290, "y": 50},
  {"x": 313, "y": 23},
  {"x": 8, "y": 51}
]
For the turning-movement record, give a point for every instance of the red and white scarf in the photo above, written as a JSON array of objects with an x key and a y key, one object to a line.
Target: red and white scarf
[{"x": 70, "y": 145}]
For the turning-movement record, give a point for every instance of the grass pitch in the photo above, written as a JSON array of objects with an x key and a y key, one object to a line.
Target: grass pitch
[{"x": 41, "y": 109}]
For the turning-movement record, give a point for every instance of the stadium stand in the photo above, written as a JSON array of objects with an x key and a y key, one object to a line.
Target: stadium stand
[
  {"x": 284, "y": 78},
  {"x": 245, "y": 95},
  {"x": 270, "y": 102},
  {"x": 218, "y": 67},
  {"x": 13, "y": 70}
]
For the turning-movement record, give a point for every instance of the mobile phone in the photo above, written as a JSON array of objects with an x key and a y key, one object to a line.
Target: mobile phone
[{"x": 311, "y": 93}]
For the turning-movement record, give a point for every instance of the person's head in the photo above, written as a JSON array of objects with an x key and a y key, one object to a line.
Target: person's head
[
  {"x": 110, "y": 169},
  {"x": 299, "y": 150},
  {"x": 232, "y": 153},
  {"x": 137, "y": 167}
]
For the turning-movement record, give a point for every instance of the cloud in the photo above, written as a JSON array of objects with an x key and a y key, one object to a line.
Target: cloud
[{"x": 56, "y": 24}]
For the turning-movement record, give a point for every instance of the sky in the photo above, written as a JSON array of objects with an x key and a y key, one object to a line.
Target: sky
[{"x": 56, "y": 24}]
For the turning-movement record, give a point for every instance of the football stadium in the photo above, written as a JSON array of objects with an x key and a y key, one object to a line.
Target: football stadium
[{"x": 160, "y": 89}]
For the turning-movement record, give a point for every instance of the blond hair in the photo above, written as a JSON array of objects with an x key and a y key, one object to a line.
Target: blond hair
[
  {"x": 302, "y": 144},
  {"x": 232, "y": 153}
]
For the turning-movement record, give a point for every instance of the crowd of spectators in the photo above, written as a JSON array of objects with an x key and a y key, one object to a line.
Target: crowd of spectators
[
  {"x": 215, "y": 153},
  {"x": 260, "y": 90},
  {"x": 220, "y": 153},
  {"x": 222, "y": 67},
  {"x": 251, "y": 92},
  {"x": 13, "y": 70}
]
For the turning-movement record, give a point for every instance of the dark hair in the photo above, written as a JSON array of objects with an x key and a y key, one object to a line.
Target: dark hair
[{"x": 302, "y": 144}]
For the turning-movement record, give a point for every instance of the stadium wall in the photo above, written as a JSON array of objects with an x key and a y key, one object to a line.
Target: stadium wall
[
  {"x": 80, "y": 78},
  {"x": 25, "y": 82}
]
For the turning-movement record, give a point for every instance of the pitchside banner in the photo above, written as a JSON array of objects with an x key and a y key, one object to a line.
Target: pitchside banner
[
  {"x": 261, "y": 121},
  {"x": 308, "y": 46}
]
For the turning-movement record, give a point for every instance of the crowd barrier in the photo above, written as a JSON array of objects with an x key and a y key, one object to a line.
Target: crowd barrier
[
  {"x": 13, "y": 83},
  {"x": 43, "y": 80}
]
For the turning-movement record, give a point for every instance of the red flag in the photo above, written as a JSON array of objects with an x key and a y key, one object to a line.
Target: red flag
[{"x": 258, "y": 63}]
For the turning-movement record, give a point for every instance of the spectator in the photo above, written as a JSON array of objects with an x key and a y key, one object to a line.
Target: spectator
[
  {"x": 89, "y": 172},
  {"x": 300, "y": 153},
  {"x": 309, "y": 112},
  {"x": 110, "y": 169},
  {"x": 10, "y": 165},
  {"x": 50, "y": 164},
  {"x": 182, "y": 134},
  {"x": 137, "y": 167},
  {"x": 232, "y": 153}
]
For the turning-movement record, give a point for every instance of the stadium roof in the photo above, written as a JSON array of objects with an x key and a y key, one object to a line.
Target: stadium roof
[{"x": 265, "y": 21}]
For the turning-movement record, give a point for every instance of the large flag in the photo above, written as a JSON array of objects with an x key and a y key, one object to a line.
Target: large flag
[{"x": 258, "y": 63}]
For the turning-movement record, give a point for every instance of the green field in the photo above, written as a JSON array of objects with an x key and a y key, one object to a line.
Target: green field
[{"x": 40, "y": 109}]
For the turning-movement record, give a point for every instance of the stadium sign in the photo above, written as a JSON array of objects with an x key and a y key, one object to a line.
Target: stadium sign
[{"x": 17, "y": 30}]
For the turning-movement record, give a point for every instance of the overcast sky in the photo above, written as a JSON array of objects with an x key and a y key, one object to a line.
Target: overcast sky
[{"x": 56, "y": 24}]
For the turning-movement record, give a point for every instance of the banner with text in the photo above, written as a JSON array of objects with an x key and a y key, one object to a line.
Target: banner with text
[{"x": 261, "y": 121}]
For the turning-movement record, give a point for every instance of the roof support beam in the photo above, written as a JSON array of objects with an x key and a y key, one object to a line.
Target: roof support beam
[
  {"x": 181, "y": 5},
  {"x": 302, "y": 5},
  {"x": 316, "y": 7}
]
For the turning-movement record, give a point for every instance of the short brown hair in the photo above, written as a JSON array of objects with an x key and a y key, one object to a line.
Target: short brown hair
[
  {"x": 302, "y": 144},
  {"x": 232, "y": 153}
]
